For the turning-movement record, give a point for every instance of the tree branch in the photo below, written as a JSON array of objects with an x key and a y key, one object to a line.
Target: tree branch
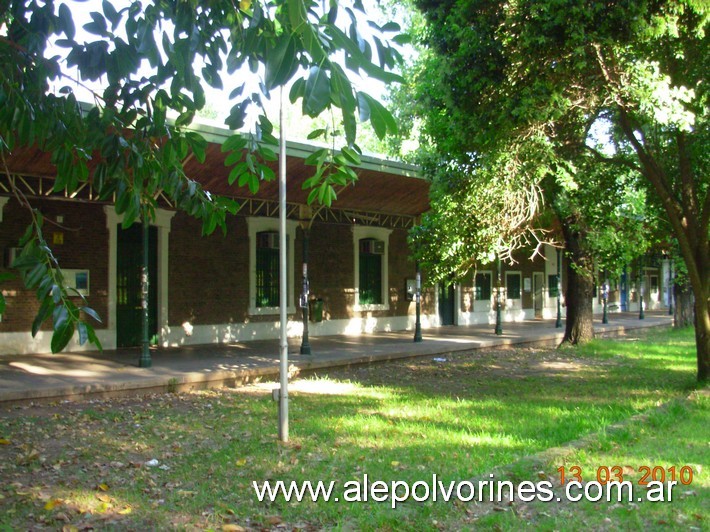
[{"x": 617, "y": 161}]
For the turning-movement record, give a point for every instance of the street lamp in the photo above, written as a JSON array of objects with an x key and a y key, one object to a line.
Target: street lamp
[
  {"x": 418, "y": 307},
  {"x": 305, "y": 291},
  {"x": 558, "y": 322},
  {"x": 605, "y": 300},
  {"x": 641, "y": 287},
  {"x": 145, "y": 360},
  {"x": 670, "y": 286},
  {"x": 499, "y": 321}
]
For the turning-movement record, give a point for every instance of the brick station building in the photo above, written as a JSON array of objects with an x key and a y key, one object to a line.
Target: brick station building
[{"x": 224, "y": 289}]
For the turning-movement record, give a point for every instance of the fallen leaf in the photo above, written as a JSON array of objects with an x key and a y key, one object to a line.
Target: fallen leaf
[
  {"x": 241, "y": 462},
  {"x": 52, "y": 504},
  {"x": 125, "y": 511},
  {"x": 103, "y": 497},
  {"x": 30, "y": 456},
  {"x": 102, "y": 487},
  {"x": 4, "y": 441},
  {"x": 274, "y": 520},
  {"x": 233, "y": 528}
]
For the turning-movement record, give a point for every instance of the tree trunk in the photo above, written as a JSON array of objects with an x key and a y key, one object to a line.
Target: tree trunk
[
  {"x": 684, "y": 306},
  {"x": 579, "y": 325},
  {"x": 702, "y": 338},
  {"x": 690, "y": 219}
]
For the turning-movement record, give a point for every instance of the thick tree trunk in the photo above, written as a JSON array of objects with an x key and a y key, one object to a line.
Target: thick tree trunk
[
  {"x": 580, "y": 289},
  {"x": 684, "y": 306},
  {"x": 702, "y": 338}
]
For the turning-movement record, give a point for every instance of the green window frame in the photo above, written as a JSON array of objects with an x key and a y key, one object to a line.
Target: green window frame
[
  {"x": 370, "y": 272},
  {"x": 267, "y": 269},
  {"x": 482, "y": 287},
  {"x": 552, "y": 285},
  {"x": 512, "y": 285}
]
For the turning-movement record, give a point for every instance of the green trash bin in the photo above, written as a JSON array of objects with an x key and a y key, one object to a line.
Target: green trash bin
[{"x": 315, "y": 310}]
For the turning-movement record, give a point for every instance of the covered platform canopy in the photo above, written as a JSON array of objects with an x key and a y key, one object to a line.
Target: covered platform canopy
[{"x": 384, "y": 188}]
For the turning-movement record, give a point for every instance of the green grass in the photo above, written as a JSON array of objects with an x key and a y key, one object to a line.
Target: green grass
[{"x": 82, "y": 465}]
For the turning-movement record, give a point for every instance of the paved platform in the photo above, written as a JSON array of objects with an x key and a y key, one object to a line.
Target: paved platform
[{"x": 69, "y": 376}]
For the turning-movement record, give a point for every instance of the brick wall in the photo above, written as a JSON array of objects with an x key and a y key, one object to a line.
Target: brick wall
[
  {"x": 85, "y": 246},
  {"x": 208, "y": 279},
  {"x": 208, "y": 276}
]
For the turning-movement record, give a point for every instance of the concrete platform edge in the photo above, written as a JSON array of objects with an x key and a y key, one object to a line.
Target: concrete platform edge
[{"x": 299, "y": 365}]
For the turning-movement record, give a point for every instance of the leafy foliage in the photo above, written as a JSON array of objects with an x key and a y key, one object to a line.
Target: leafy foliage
[
  {"x": 154, "y": 63},
  {"x": 501, "y": 75}
]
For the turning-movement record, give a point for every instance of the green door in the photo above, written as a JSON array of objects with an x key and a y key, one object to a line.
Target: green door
[
  {"x": 446, "y": 304},
  {"x": 128, "y": 285}
]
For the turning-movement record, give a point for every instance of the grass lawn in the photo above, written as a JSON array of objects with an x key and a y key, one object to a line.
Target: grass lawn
[{"x": 510, "y": 412}]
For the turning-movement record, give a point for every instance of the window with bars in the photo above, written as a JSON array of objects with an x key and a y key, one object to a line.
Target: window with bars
[
  {"x": 482, "y": 288},
  {"x": 267, "y": 269},
  {"x": 370, "y": 266},
  {"x": 512, "y": 285},
  {"x": 552, "y": 285}
]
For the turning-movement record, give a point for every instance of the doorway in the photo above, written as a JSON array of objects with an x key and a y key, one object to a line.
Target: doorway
[
  {"x": 446, "y": 304},
  {"x": 129, "y": 261}
]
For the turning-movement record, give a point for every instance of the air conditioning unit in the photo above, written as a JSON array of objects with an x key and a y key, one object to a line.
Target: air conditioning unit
[
  {"x": 10, "y": 255},
  {"x": 370, "y": 246},
  {"x": 268, "y": 240}
]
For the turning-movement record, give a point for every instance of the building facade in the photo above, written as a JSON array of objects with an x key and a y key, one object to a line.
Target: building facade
[{"x": 225, "y": 288}]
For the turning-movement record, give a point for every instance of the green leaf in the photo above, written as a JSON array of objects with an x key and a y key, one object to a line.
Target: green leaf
[
  {"x": 93, "y": 338},
  {"x": 352, "y": 156},
  {"x": 254, "y": 186},
  {"x": 60, "y": 316},
  {"x": 297, "y": 14},
  {"x": 381, "y": 119},
  {"x": 350, "y": 126},
  {"x": 342, "y": 90},
  {"x": 111, "y": 14},
  {"x": 237, "y": 115},
  {"x": 97, "y": 26},
  {"x": 268, "y": 154},
  {"x": 62, "y": 336},
  {"x": 234, "y": 143},
  {"x": 281, "y": 62},
  {"x": 83, "y": 332},
  {"x": 298, "y": 90},
  {"x": 45, "y": 310},
  {"x": 316, "y": 133},
  {"x": 238, "y": 170},
  {"x": 185, "y": 118},
  {"x": 198, "y": 144},
  {"x": 266, "y": 173},
  {"x": 33, "y": 278},
  {"x": 233, "y": 158},
  {"x": 317, "y": 92},
  {"x": 317, "y": 157},
  {"x": 90, "y": 312},
  {"x": 66, "y": 21}
]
